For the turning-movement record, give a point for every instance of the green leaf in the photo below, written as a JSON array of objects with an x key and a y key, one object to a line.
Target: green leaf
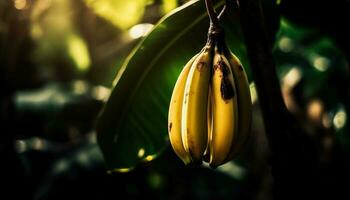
[{"x": 132, "y": 128}]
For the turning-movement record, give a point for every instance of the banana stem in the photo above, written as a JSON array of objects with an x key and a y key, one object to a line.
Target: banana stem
[
  {"x": 215, "y": 32},
  {"x": 228, "y": 4},
  {"x": 222, "y": 13},
  {"x": 212, "y": 14}
]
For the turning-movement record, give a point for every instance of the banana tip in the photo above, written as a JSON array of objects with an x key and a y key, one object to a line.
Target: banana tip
[
  {"x": 213, "y": 166},
  {"x": 194, "y": 164}
]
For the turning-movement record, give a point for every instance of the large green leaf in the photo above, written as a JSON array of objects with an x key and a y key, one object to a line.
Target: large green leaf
[{"x": 133, "y": 125}]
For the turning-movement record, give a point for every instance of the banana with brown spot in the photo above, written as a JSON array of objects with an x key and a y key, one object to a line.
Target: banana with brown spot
[
  {"x": 224, "y": 110},
  {"x": 244, "y": 105},
  {"x": 194, "y": 110},
  {"x": 175, "y": 114}
]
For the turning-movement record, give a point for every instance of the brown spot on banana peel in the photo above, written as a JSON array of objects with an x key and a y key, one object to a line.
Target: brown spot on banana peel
[
  {"x": 185, "y": 99},
  {"x": 190, "y": 151},
  {"x": 232, "y": 57},
  {"x": 190, "y": 143},
  {"x": 200, "y": 66},
  {"x": 236, "y": 62},
  {"x": 226, "y": 88},
  {"x": 170, "y": 126}
]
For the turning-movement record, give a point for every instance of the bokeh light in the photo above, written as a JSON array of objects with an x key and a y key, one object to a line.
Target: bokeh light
[
  {"x": 339, "y": 119},
  {"x": 140, "y": 30},
  {"x": 20, "y": 4}
]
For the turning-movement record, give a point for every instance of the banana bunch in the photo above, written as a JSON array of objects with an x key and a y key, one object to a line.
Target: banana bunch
[{"x": 210, "y": 108}]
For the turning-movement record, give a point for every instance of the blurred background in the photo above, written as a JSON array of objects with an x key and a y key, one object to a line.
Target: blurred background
[{"x": 58, "y": 59}]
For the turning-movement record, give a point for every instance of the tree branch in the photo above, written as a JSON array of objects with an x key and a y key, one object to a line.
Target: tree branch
[
  {"x": 289, "y": 146},
  {"x": 263, "y": 68}
]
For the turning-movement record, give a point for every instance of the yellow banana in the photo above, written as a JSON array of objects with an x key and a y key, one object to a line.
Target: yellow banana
[
  {"x": 175, "y": 113},
  {"x": 206, "y": 155},
  {"x": 194, "y": 110},
  {"x": 224, "y": 110},
  {"x": 244, "y": 104},
  {"x": 210, "y": 109}
]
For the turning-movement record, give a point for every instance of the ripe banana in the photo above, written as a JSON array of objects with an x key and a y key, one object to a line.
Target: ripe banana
[
  {"x": 224, "y": 110},
  {"x": 194, "y": 110},
  {"x": 210, "y": 109},
  {"x": 206, "y": 156},
  {"x": 175, "y": 113},
  {"x": 244, "y": 104}
]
